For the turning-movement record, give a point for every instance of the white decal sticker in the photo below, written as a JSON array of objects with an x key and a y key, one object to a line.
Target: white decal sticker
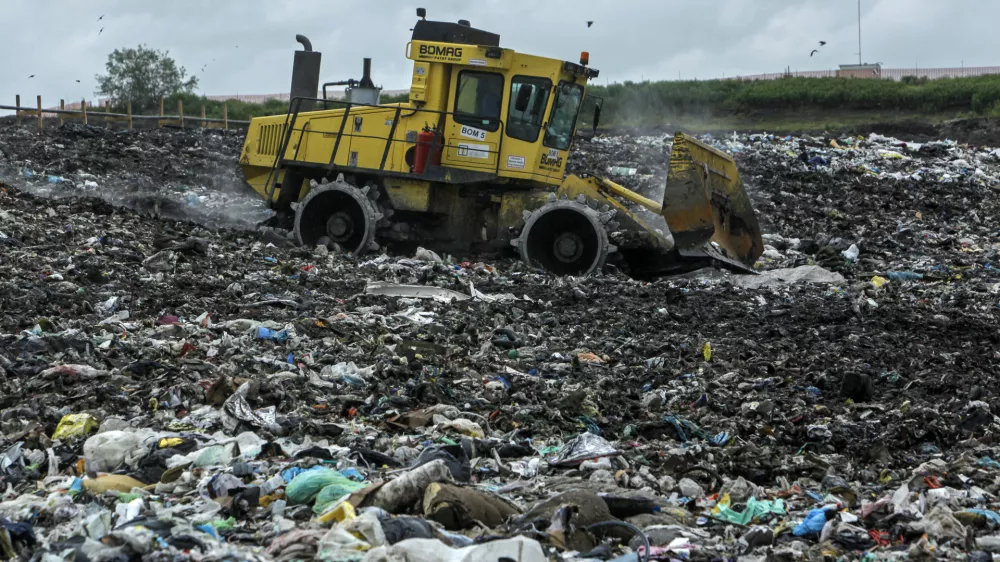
[
  {"x": 515, "y": 162},
  {"x": 467, "y": 150},
  {"x": 477, "y": 62},
  {"x": 553, "y": 154},
  {"x": 473, "y": 133},
  {"x": 420, "y": 71}
]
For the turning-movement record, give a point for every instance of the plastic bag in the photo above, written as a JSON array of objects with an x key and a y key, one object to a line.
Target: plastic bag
[
  {"x": 238, "y": 407},
  {"x": 106, "y": 451},
  {"x": 465, "y": 427},
  {"x": 306, "y": 486},
  {"x": 755, "y": 509},
  {"x": 518, "y": 548},
  {"x": 331, "y": 493},
  {"x": 73, "y": 426},
  {"x": 585, "y": 447},
  {"x": 340, "y": 544},
  {"x": 348, "y": 373},
  {"x": 813, "y": 523},
  {"x": 851, "y": 254},
  {"x": 273, "y": 335}
]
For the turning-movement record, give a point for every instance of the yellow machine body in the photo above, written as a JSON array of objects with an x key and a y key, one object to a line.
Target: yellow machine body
[{"x": 481, "y": 144}]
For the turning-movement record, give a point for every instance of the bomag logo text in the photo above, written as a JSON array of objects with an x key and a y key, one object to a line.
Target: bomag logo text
[
  {"x": 547, "y": 162},
  {"x": 439, "y": 51}
]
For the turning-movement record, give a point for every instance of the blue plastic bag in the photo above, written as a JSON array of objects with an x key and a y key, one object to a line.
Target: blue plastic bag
[
  {"x": 812, "y": 525},
  {"x": 273, "y": 335}
]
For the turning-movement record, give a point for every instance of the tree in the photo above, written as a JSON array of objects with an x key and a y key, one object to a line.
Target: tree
[{"x": 141, "y": 76}]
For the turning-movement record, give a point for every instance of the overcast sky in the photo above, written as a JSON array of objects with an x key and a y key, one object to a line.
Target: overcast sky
[{"x": 247, "y": 45}]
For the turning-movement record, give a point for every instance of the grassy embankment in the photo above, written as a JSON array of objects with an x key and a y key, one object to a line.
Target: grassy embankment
[
  {"x": 778, "y": 105},
  {"x": 797, "y": 103}
]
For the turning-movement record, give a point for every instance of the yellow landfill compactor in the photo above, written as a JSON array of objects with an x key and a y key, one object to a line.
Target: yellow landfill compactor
[{"x": 475, "y": 161}]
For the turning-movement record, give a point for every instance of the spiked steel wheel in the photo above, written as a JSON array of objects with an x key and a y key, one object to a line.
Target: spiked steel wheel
[
  {"x": 565, "y": 237},
  {"x": 337, "y": 212}
]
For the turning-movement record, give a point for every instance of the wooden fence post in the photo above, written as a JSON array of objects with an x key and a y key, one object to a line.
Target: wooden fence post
[
  {"x": 203, "y": 116},
  {"x": 129, "y": 108},
  {"x": 83, "y": 107},
  {"x": 39, "y": 114},
  {"x": 17, "y": 112},
  {"x": 62, "y": 106},
  {"x": 180, "y": 112},
  {"x": 160, "y": 122},
  {"x": 225, "y": 115}
]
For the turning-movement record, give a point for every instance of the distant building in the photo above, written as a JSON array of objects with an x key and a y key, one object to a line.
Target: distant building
[{"x": 860, "y": 71}]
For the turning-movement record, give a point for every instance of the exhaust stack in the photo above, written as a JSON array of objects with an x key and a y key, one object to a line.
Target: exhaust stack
[{"x": 305, "y": 73}]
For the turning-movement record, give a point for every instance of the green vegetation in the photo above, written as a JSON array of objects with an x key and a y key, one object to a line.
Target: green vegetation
[
  {"x": 784, "y": 104},
  {"x": 141, "y": 76},
  {"x": 634, "y": 103},
  {"x": 238, "y": 110}
]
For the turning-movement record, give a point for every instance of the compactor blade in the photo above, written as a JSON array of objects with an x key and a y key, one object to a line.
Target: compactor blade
[{"x": 704, "y": 201}]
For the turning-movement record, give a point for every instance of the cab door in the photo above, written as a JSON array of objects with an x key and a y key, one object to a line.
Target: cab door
[
  {"x": 472, "y": 133},
  {"x": 529, "y": 98}
]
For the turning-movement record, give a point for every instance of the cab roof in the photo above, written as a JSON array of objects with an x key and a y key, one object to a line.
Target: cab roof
[{"x": 448, "y": 32}]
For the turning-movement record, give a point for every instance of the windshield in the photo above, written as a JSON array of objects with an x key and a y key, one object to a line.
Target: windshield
[
  {"x": 479, "y": 98},
  {"x": 559, "y": 133}
]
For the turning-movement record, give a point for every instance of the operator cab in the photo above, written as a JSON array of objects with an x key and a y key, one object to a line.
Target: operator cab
[{"x": 507, "y": 113}]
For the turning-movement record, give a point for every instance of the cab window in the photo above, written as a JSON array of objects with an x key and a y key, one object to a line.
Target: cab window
[
  {"x": 559, "y": 133},
  {"x": 528, "y": 98},
  {"x": 479, "y": 99}
]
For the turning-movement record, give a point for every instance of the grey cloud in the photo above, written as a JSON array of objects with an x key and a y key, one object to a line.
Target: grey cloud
[{"x": 630, "y": 39}]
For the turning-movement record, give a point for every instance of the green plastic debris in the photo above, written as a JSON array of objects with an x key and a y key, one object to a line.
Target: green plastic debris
[
  {"x": 127, "y": 497},
  {"x": 331, "y": 494},
  {"x": 306, "y": 486},
  {"x": 755, "y": 509},
  {"x": 224, "y": 524}
]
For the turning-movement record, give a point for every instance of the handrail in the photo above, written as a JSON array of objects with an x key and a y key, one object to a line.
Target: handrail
[{"x": 292, "y": 116}]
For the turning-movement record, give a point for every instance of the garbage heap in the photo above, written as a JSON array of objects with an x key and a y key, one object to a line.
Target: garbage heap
[{"x": 175, "y": 387}]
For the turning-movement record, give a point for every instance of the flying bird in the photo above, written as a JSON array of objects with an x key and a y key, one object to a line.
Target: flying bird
[
  {"x": 32, "y": 76},
  {"x": 590, "y": 23},
  {"x": 814, "y": 51},
  {"x": 77, "y": 81},
  {"x": 100, "y": 18},
  {"x": 101, "y": 31},
  {"x": 821, "y": 43}
]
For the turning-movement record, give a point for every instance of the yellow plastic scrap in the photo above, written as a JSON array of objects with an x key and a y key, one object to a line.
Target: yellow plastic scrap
[
  {"x": 168, "y": 442},
  {"x": 879, "y": 281},
  {"x": 706, "y": 351},
  {"x": 723, "y": 502},
  {"x": 74, "y": 425},
  {"x": 343, "y": 511}
]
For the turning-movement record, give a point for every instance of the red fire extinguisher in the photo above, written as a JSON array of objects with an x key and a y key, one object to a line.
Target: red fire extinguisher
[{"x": 425, "y": 147}]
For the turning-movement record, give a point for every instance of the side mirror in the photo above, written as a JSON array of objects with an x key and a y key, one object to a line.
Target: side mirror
[
  {"x": 523, "y": 97},
  {"x": 597, "y": 116}
]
